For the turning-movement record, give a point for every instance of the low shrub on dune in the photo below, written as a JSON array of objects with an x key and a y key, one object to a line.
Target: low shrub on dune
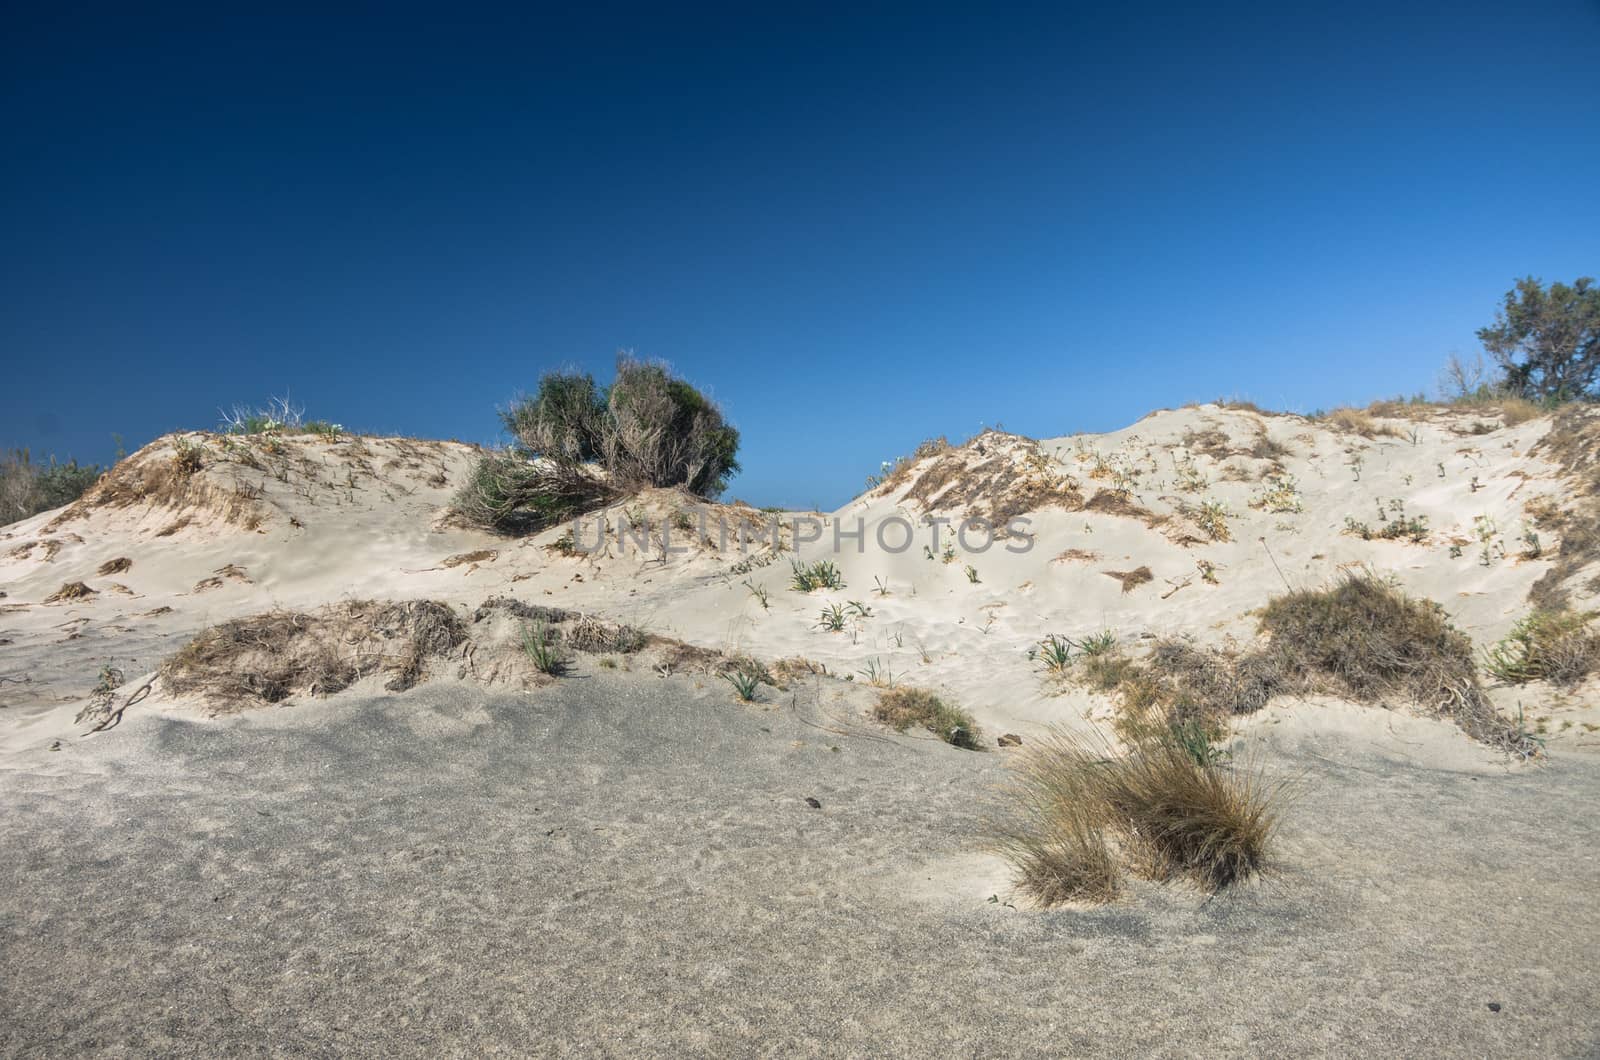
[{"x": 577, "y": 446}]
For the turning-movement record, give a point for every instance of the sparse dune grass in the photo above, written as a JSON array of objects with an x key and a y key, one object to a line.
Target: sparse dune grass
[
  {"x": 806, "y": 577},
  {"x": 1555, "y": 646}
]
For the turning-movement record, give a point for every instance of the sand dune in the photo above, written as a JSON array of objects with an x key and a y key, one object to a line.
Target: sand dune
[
  {"x": 331, "y": 804},
  {"x": 1183, "y": 523}
]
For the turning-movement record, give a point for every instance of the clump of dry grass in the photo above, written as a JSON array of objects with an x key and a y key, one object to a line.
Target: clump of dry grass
[
  {"x": 904, "y": 707},
  {"x": 1078, "y": 817},
  {"x": 1054, "y": 827},
  {"x": 1361, "y": 638},
  {"x": 1370, "y": 639},
  {"x": 1515, "y": 410},
  {"x": 599, "y": 637},
  {"x": 1356, "y": 421},
  {"x": 482, "y": 555},
  {"x": 70, "y": 591},
  {"x": 1555, "y": 646},
  {"x": 1212, "y": 441},
  {"x": 116, "y": 566},
  {"x": 269, "y": 657},
  {"x": 1265, "y": 447},
  {"x": 1365, "y": 639},
  {"x": 511, "y": 494}
]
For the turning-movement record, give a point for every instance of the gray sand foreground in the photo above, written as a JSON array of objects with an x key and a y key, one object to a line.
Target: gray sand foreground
[{"x": 623, "y": 865}]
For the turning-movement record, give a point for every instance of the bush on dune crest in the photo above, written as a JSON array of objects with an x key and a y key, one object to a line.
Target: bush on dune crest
[{"x": 577, "y": 446}]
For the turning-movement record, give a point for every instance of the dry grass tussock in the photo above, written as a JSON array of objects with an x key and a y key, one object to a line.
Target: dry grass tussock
[
  {"x": 1362, "y": 639},
  {"x": 512, "y": 494},
  {"x": 1511, "y": 410},
  {"x": 269, "y": 657},
  {"x": 1357, "y": 421},
  {"x": 905, "y": 707},
  {"x": 1077, "y": 816}
]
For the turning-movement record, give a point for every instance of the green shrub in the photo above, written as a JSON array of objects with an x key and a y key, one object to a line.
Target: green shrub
[
  {"x": 646, "y": 429},
  {"x": 27, "y": 488},
  {"x": 542, "y": 646},
  {"x": 819, "y": 575},
  {"x": 512, "y": 494}
]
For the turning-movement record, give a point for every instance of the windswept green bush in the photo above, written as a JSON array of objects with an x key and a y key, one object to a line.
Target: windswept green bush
[
  {"x": 27, "y": 488},
  {"x": 577, "y": 445},
  {"x": 515, "y": 495}
]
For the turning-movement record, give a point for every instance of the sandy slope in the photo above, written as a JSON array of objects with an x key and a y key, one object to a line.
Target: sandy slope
[
  {"x": 626, "y": 865},
  {"x": 306, "y": 521}
]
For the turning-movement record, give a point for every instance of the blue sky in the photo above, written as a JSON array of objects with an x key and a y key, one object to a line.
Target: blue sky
[{"x": 856, "y": 226}]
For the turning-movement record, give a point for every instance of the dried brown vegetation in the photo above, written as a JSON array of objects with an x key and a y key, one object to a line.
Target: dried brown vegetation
[
  {"x": 1356, "y": 421},
  {"x": 269, "y": 657},
  {"x": 70, "y": 591},
  {"x": 1131, "y": 579},
  {"x": 1361, "y": 639},
  {"x": 995, "y": 477},
  {"x": 168, "y": 473},
  {"x": 1366, "y": 640},
  {"x": 116, "y": 566},
  {"x": 904, "y": 707}
]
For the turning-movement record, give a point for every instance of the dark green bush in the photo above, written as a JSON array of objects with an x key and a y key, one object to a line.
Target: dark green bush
[{"x": 577, "y": 445}]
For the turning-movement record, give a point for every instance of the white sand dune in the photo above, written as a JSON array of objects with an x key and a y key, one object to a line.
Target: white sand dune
[{"x": 301, "y": 521}]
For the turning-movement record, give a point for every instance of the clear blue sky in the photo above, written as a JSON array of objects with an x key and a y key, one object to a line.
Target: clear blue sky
[{"x": 857, "y": 227}]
